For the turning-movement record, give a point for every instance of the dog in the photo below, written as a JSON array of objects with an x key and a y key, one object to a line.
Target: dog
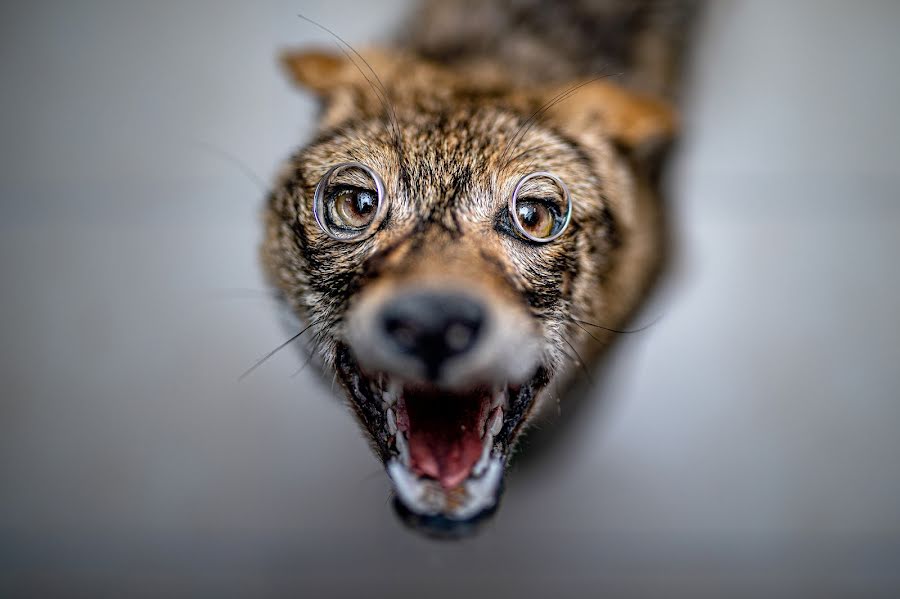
[{"x": 476, "y": 217}]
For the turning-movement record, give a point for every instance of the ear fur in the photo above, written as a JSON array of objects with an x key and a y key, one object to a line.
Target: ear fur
[
  {"x": 320, "y": 72},
  {"x": 634, "y": 121},
  {"x": 338, "y": 82}
]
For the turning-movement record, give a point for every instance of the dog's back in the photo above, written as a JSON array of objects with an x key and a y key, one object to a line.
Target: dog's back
[{"x": 546, "y": 41}]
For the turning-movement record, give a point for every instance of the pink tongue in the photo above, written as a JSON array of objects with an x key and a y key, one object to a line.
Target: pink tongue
[{"x": 444, "y": 433}]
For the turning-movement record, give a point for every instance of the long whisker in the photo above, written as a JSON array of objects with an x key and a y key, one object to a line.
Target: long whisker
[
  {"x": 620, "y": 331},
  {"x": 531, "y": 117},
  {"x": 532, "y": 120},
  {"x": 237, "y": 162},
  {"x": 537, "y": 116},
  {"x": 528, "y": 151},
  {"x": 580, "y": 360},
  {"x": 306, "y": 363},
  {"x": 591, "y": 335},
  {"x": 262, "y": 360},
  {"x": 380, "y": 91},
  {"x": 311, "y": 352}
]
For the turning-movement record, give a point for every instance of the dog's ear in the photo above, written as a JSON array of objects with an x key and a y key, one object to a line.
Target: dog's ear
[
  {"x": 319, "y": 72},
  {"x": 342, "y": 84},
  {"x": 637, "y": 123}
]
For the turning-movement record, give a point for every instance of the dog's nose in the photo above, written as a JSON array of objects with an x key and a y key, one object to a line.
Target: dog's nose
[{"x": 433, "y": 327}]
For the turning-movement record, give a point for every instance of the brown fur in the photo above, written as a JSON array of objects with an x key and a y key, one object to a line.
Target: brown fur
[
  {"x": 450, "y": 124},
  {"x": 450, "y": 141}
]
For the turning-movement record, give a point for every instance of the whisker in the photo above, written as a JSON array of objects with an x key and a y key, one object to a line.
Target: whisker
[
  {"x": 297, "y": 372},
  {"x": 553, "y": 102},
  {"x": 580, "y": 360},
  {"x": 591, "y": 335},
  {"x": 620, "y": 331},
  {"x": 528, "y": 151},
  {"x": 311, "y": 352},
  {"x": 532, "y": 120},
  {"x": 262, "y": 360},
  {"x": 240, "y": 164},
  {"x": 382, "y": 95},
  {"x": 533, "y": 115}
]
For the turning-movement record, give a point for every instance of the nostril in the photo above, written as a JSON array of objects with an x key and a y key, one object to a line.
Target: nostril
[
  {"x": 459, "y": 336},
  {"x": 404, "y": 333}
]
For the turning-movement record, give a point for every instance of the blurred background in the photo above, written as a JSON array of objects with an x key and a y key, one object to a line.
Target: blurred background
[{"x": 746, "y": 445}]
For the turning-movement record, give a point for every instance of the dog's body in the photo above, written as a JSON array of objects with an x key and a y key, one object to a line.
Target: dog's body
[{"x": 446, "y": 309}]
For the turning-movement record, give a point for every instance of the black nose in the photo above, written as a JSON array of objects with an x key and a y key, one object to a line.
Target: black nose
[{"x": 433, "y": 327}]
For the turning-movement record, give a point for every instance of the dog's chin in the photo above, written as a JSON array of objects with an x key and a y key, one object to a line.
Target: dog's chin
[{"x": 444, "y": 450}]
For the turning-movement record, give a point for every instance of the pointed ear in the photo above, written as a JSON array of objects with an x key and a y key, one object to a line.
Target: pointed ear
[
  {"x": 317, "y": 71},
  {"x": 634, "y": 121},
  {"x": 344, "y": 91}
]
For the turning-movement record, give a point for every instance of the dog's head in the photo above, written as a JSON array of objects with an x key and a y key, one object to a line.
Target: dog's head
[{"x": 449, "y": 236}]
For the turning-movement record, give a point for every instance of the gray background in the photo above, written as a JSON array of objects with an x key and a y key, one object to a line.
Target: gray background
[{"x": 746, "y": 445}]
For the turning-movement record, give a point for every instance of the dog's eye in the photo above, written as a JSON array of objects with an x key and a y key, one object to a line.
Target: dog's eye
[
  {"x": 351, "y": 207},
  {"x": 540, "y": 207},
  {"x": 350, "y": 202},
  {"x": 536, "y": 217}
]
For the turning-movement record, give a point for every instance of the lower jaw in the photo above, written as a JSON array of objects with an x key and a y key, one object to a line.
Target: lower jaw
[
  {"x": 428, "y": 498},
  {"x": 438, "y": 526}
]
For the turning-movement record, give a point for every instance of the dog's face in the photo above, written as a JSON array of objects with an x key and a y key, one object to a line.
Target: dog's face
[{"x": 448, "y": 238}]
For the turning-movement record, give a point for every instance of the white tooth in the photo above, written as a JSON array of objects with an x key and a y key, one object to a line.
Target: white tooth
[
  {"x": 499, "y": 399},
  {"x": 481, "y": 492},
  {"x": 496, "y": 422},
  {"x": 391, "y": 422},
  {"x": 482, "y": 462},
  {"x": 422, "y": 496},
  {"x": 392, "y": 392},
  {"x": 402, "y": 448}
]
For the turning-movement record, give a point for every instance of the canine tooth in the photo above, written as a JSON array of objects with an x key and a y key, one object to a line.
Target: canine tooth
[
  {"x": 402, "y": 448},
  {"x": 391, "y": 393},
  {"x": 391, "y": 422},
  {"x": 496, "y": 422},
  {"x": 499, "y": 398},
  {"x": 412, "y": 490},
  {"x": 481, "y": 492},
  {"x": 482, "y": 462}
]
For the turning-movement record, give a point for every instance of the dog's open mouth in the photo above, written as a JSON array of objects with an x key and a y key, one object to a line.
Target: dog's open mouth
[
  {"x": 446, "y": 462},
  {"x": 444, "y": 451}
]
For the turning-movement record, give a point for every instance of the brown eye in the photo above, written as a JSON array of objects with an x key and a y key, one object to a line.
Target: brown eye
[
  {"x": 349, "y": 202},
  {"x": 536, "y": 218},
  {"x": 353, "y": 208},
  {"x": 540, "y": 207}
]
